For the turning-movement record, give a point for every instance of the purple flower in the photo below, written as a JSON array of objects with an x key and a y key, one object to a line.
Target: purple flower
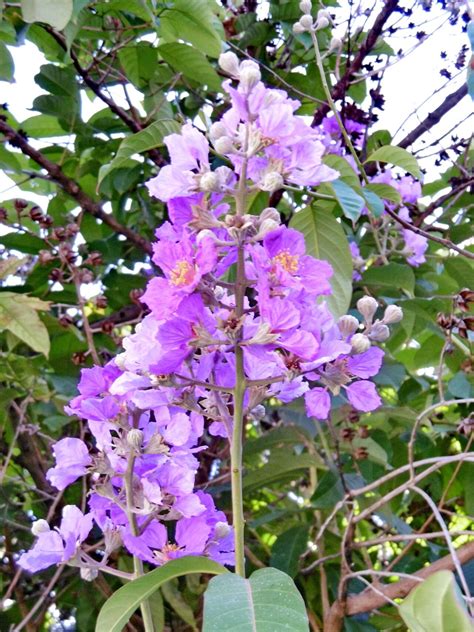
[
  {"x": 60, "y": 545},
  {"x": 72, "y": 459},
  {"x": 318, "y": 403},
  {"x": 363, "y": 395},
  {"x": 366, "y": 364},
  {"x": 415, "y": 247}
]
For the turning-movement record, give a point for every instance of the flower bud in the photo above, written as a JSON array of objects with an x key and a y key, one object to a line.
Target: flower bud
[
  {"x": 324, "y": 13},
  {"x": 221, "y": 530},
  {"x": 393, "y": 314},
  {"x": 266, "y": 227},
  {"x": 112, "y": 538},
  {"x": 205, "y": 232},
  {"x": 347, "y": 325},
  {"x": 271, "y": 181},
  {"x": 298, "y": 29},
  {"x": 209, "y": 181},
  {"x": 379, "y": 332},
  {"x": 217, "y": 130},
  {"x": 335, "y": 44},
  {"x": 135, "y": 438},
  {"x": 360, "y": 343},
  {"x": 40, "y": 526},
  {"x": 306, "y": 21},
  {"x": 270, "y": 213},
  {"x": 249, "y": 75},
  {"x": 89, "y": 574},
  {"x": 229, "y": 63},
  {"x": 224, "y": 145},
  {"x": 258, "y": 412},
  {"x": 321, "y": 23},
  {"x": 367, "y": 306},
  {"x": 305, "y": 6}
]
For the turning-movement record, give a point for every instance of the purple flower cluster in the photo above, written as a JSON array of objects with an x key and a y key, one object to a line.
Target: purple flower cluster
[{"x": 148, "y": 409}]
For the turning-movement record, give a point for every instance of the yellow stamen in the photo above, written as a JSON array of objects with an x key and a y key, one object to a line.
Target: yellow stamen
[
  {"x": 182, "y": 273},
  {"x": 287, "y": 261}
]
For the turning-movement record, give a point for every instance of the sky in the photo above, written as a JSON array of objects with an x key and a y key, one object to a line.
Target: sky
[{"x": 407, "y": 84}]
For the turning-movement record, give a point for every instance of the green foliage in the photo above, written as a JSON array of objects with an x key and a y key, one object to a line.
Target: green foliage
[{"x": 267, "y": 602}]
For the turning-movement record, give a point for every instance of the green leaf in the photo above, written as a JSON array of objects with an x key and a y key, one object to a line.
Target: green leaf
[
  {"x": 192, "y": 21},
  {"x": 57, "y": 80},
  {"x": 325, "y": 239},
  {"x": 149, "y": 138},
  {"x": 288, "y": 548},
  {"x": 118, "y": 609},
  {"x": 398, "y": 157},
  {"x": 18, "y": 314},
  {"x": 282, "y": 435},
  {"x": 328, "y": 492},
  {"x": 392, "y": 275},
  {"x": 191, "y": 63},
  {"x": 350, "y": 201},
  {"x": 267, "y": 602},
  {"x": 7, "y": 67},
  {"x": 279, "y": 468},
  {"x": 436, "y": 605},
  {"x": 57, "y": 13},
  {"x": 347, "y": 173},
  {"x": 374, "y": 203},
  {"x": 139, "y": 62},
  {"x": 385, "y": 191},
  {"x": 10, "y": 265},
  {"x": 43, "y": 126},
  {"x": 174, "y": 597}
]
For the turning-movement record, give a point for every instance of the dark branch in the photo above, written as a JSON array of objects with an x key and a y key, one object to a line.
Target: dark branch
[
  {"x": 434, "y": 117},
  {"x": 442, "y": 199},
  {"x": 71, "y": 187},
  {"x": 341, "y": 87}
]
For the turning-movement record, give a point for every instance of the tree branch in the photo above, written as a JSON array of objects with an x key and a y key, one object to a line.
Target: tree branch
[
  {"x": 72, "y": 188},
  {"x": 340, "y": 88},
  {"x": 434, "y": 117}
]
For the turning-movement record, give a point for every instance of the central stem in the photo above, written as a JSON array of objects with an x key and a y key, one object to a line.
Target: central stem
[
  {"x": 132, "y": 520},
  {"x": 240, "y": 384}
]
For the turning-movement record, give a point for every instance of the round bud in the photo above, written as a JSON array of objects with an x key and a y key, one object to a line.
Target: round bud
[
  {"x": 270, "y": 213},
  {"x": 205, "y": 233},
  {"x": 40, "y": 526},
  {"x": 379, "y": 332},
  {"x": 249, "y": 75},
  {"x": 306, "y": 22},
  {"x": 271, "y": 181},
  {"x": 298, "y": 29},
  {"x": 221, "y": 530},
  {"x": 335, "y": 44},
  {"x": 360, "y": 343},
  {"x": 229, "y": 62},
  {"x": 367, "y": 306},
  {"x": 324, "y": 13},
  {"x": 321, "y": 23},
  {"x": 89, "y": 574},
  {"x": 393, "y": 314},
  {"x": 347, "y": 325},
  {"x": 224, "y": 145},
  {"x": 217, "y": 130},
  {"x": 258, "y": 412},
  {"x": 209, "y": 181},
  {"x": 135, "y": 438},
  {"x": 305, "y": 6}
]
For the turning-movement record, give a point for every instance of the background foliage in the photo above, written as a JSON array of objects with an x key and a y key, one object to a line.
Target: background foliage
[{"x": 152, "y": 66}]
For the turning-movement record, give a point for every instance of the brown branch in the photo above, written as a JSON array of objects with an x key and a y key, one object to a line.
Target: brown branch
[
  {"x": 440, "y": 240},
  {"x": 129, "y": 121},
  {"x": 435, "y": 116},
  {"x": 442, "y": 199},
  {"x": 72, "y": 188},
  {"x": 340, "y": 88}
]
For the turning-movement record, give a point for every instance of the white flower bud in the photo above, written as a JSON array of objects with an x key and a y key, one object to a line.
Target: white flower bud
[
  {"x": 221, "y": 530},
  {"x": 379, "y": 332},
  {"x": 135, "y": 438},
  {"x": 229, "y": 62},
  {"x": 249, "y": 75},
  {"x": 271, "y": 181},
  {"x": 40, "y": 526},
  {"x": 306, "y": 21},
  {"x": 367, "y": 306},
  {"x": 324, "y": 13},
  {"x": 205, "y": 233},
  {"x": 217, "y": 130},
  {"x": 89, "y": 574},
  {"x": 209, "y": 181},
  {"x": 258, "y": 412},
  {"x": 321, "y": 23},
  {"x": 224, "y": 145},
  {"x": 393, "y": 314},
  {"x": 335, "y": 44},
  {"x": 306, "y": 6},
  {"x": 266, "y": 227},
  {"x": 360, "y": 343},
  {"x": 298, "y": 29},
  {"x": 347, "y": 325},
  {"x": 113, "y": 539},
  {"x": 270, "y": 213}
]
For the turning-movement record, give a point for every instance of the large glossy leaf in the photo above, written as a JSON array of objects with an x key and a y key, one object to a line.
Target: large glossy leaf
[
  {"x": 118, "y": 609},
  {"x": 149, "y": 138},
  {"x": 192, "y": 21},
  {"x": 267, "y": 602},
  {"x": 349, "y": 200},
  {"x": 57, "y": 13},
  {"x": 436, "y": 605},
  {"x": 391, "y": 275},
  {"x": 191, "y": 63},
  {"x": 398, "y": 157},
  {"x": 18, "y": 314},
  {"x": 325, "y": 239},
  {"x": 288, "y": 548}
]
